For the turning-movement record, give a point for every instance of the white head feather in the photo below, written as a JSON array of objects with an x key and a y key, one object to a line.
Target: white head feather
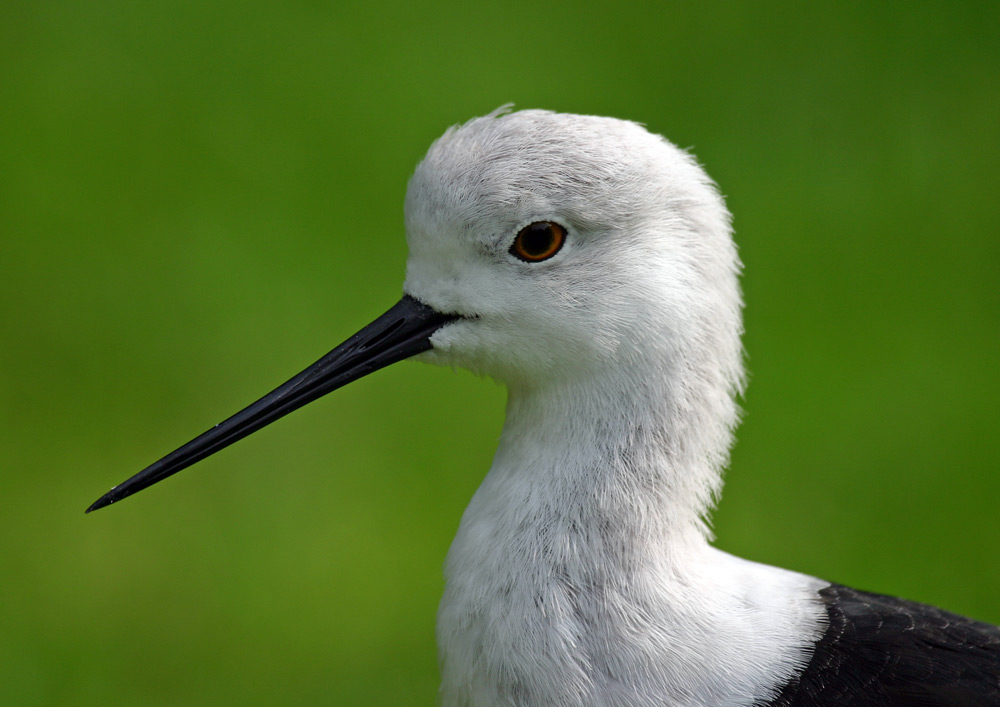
[{"x": 642, "y": 299}]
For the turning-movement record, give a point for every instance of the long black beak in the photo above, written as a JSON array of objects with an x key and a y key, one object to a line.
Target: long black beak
[{"x": 403, "y": 331}]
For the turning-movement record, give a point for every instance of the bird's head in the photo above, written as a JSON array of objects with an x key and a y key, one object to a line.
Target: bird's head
[
  {"x": 571, "y": 244},
  {"x": 547, "y": 248}
]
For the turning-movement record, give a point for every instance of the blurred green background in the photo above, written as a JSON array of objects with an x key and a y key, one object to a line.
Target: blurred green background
[{"x": 198, "y": 199}]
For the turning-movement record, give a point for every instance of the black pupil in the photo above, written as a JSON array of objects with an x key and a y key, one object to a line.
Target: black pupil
[{"x": 537, "y": 239}]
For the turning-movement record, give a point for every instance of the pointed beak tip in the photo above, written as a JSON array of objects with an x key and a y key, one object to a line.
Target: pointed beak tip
[{"x": 98, "y": 504}]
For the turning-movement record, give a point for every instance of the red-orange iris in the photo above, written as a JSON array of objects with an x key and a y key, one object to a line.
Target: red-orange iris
[{"x": 538, "y": 241}]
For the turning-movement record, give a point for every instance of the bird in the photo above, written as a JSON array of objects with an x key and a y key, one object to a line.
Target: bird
[{"x": 589, "y": 266}]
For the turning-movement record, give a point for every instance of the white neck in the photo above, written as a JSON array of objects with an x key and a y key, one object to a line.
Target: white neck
[
  {"x": 572, "y": 455},
  {"x": 581, "y": 573}
]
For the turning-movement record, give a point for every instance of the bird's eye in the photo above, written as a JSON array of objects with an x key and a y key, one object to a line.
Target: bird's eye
[{"x": 538, "y": 241}]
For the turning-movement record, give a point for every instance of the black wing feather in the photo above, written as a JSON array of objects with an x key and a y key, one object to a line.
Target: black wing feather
[{"x": 880, "y": 651}]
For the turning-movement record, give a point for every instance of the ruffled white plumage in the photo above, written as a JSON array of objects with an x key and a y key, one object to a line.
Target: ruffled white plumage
[{"x": 582, "y": 572}]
